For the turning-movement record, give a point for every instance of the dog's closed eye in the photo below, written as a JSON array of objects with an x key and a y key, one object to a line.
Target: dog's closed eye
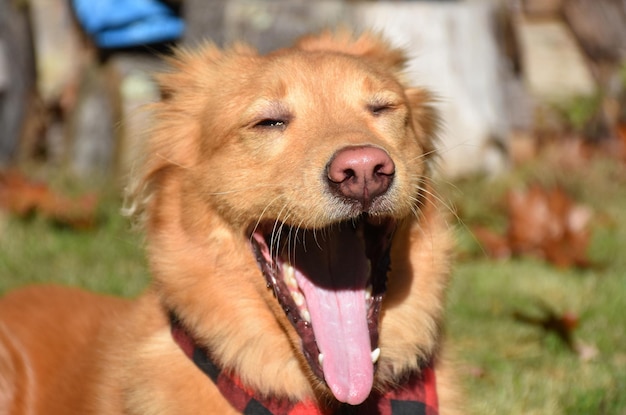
[
  {"x": 272, "y": 115},
  {"x": 378, "y": 109},
  {"x": 382, "y": 103},
  {"x": 271, "y": 123}
]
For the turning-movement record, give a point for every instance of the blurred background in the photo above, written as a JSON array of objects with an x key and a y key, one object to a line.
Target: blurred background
[{"x": 532, "y": 164}]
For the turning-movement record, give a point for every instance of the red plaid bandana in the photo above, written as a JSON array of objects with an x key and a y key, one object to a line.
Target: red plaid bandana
[{"x": 417, "y": 396}]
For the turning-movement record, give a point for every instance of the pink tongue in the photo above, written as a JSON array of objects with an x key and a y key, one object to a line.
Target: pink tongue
[{"x": 332, "y": 273}]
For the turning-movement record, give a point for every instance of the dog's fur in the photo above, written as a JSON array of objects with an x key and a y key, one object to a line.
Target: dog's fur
[{"x": 239, "y": 140}]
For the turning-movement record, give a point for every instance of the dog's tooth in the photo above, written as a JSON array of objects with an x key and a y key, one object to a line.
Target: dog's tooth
[
  {"x": 320, "y": 359},
  {"x": 368, "y": 292},
  {"x": 291, "y": 282},
  {"x": 289, "y": 273},
  {"x": 375, "y": 354},
  {"x": 298, "y": 298},
  {"x": 306, "y": 316}
]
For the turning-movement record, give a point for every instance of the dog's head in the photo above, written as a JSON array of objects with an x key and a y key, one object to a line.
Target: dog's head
[{"x": 306, "y": 161}]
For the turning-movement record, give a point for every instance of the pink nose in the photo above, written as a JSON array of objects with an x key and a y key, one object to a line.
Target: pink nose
[{"x": 360, "y": 173}]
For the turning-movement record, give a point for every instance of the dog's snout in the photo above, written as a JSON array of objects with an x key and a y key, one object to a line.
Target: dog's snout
[{"x": 360, "y": 173}]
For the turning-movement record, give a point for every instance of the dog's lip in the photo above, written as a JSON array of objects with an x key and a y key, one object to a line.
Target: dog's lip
[{"x": 293, "y": 274}]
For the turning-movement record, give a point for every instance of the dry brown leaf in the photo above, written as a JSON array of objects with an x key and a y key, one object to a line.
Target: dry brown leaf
[
  {"x": 492, "y": 243},
  {"x": 542, "y": 222},
  {"x": 560, "y": 324},
  {"x": 23, "y": 197},
  {"x": 548, "y": 224}
]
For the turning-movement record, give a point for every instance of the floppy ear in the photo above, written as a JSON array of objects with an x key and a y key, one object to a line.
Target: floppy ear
[
  {"x": 370, "y": 46},
  {"x": 188, "y": 68},
  {"x": 167, "y": 143},
  {"x": 425, "y": 118}
]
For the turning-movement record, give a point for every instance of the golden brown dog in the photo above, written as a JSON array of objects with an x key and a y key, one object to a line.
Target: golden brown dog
[{"x": 299, "y": 256}]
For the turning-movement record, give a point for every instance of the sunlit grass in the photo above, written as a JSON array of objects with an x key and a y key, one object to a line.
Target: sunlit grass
[
  {"x": 513, "y": 368},
  {"x": 107, "y": 259}
]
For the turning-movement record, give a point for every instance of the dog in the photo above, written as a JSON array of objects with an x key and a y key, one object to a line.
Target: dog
[{"x": 299, "y": 253}]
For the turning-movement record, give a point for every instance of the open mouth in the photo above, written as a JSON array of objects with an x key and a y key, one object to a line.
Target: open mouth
[{"x": 330, "y": 282}]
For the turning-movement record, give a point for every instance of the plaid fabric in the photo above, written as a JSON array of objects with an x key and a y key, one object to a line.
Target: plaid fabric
[{"x": 417, "y": 396}]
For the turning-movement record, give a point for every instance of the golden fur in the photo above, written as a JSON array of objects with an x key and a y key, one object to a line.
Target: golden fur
[{"x": 210, "y": 173}]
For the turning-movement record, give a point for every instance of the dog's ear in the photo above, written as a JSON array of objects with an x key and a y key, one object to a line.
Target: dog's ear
[
  {"x": 188, "y": 68},
  {"x": 184, "y": 67},
  {"x": 425, "y": 118},
  {"x": 368, "y": 45},
  {"x": 183, "y": 86}
]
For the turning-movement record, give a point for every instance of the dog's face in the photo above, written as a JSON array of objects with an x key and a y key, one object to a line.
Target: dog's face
[{"x": 311, "y": 158}]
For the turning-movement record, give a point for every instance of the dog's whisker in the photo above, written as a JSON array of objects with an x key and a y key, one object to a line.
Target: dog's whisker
[
  {"x": 295, "y": 240},
  {"x": 260, "y": 219},
  {"x": 280, "y": 232},
  {"x": 454, "y": 213},
  {"x": 315, "y": 238},
  {"x": 275, "y": 235},
  {"x": 431, "y": 153},
  {"x": 170, "y": 161},
  {"x": 446, "y": 204}
]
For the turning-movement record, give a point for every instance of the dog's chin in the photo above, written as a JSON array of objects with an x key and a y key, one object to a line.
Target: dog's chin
[{"x": 330, "y": 282}]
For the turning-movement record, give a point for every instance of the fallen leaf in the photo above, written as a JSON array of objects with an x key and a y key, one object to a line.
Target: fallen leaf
[
  {"x": 621, "y": 132},
  {"x": 548, "y": 224},
  {"x": 560, "y": 324},
  {"x": 492, "y": 243},
  {"x": 542, "y": 222},
  {"x": 18, "y": 195},
  {"x": 23, "y": 197}
]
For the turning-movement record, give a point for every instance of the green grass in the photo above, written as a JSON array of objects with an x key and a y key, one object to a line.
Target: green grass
[
  {"x": 507, "y": 367},
  {"x": 513, "y": 368},
  {"x": 106, "y": 259}
]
